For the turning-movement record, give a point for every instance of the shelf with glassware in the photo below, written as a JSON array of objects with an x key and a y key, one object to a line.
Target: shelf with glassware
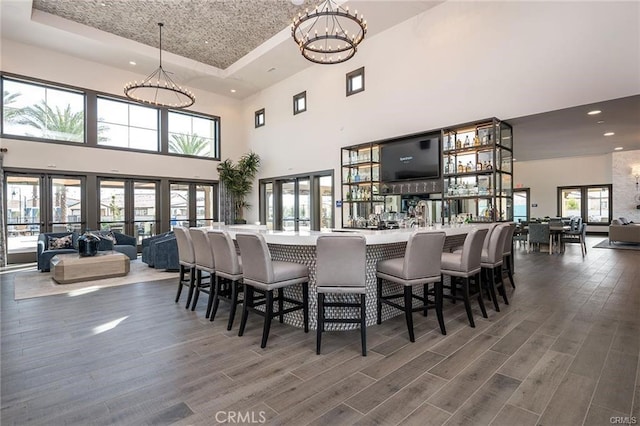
[
  {"x": 361, "y": 195},
  {"x": 477, "y": 172}
]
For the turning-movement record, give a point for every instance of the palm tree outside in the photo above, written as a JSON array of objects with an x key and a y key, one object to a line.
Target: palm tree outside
[
  {"x": 10, "y": 112},
  {"x": 189, "y": 145},
  {"x": 58, "y": 124}
]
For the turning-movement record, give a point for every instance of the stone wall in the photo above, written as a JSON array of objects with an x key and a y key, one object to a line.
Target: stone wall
[{"x": 625, "y": 190}]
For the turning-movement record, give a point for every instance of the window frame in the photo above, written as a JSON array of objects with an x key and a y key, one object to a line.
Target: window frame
[
  {"x": 350, "y": 76},
  {"x": 91, "y": 119},
  {"x": 259, "y": 113},
  {"x": 296, "y": 98},
  {"x": 129, "y": 126},
  {"x": 45, "y": 85},
  {"x": 584, "y": 201},
  {"x": 216, "y": 137}
]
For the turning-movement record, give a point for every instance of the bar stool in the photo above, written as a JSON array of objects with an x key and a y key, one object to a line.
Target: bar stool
[
  {"x": 204, "y": 263},
  {"x": 187, "y": 261},
  {"x": 419, "y": 266},
  {"x": 264, "y": 275},
  {"x": 341, "y": 269},
  {"x": 229, "y": 269},
  {"x": 508, "y": 253},
  {"x": 491, "y": 262},
  {"x": 465, "y": 265}
]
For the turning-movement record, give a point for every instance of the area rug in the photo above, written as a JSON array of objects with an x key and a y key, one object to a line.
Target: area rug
[
  {"x": 620, "y": 246},
  {"x": 30, "y": 284}
]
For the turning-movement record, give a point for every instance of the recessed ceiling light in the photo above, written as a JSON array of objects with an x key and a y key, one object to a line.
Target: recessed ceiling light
[
  {"x": 206, "y": 42},
  {"x": 233, "y": 90},
  {"x": 132, "y": 63},
  {"x": 609, "y": 134},
  {"x": 600, "y": 122},
  {"x": 618, "y": 148},
  {"x": 594, "y": 112}
]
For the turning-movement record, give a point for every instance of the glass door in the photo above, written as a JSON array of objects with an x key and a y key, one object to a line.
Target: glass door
[
  {"x": 296, "y": 204},
  {"x": 112, "y": 205},
  {"x": 521, "y": 205},
  {"x": 65, "y": 195},
  {"x": 179, "y": 205},
  {"x": 23, "y": 216},
  {"x": 145, "y": 208},
  {"x": 206, "y": 196}
]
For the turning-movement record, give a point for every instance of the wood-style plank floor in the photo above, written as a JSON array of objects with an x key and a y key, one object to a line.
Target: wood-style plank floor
[{"x": 564, "y": 352}]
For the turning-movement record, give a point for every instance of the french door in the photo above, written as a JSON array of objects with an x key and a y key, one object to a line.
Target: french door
[
  {"x": 193, "y": 204},
  {"x": 296, "y": 205},
  {"x": 129, "y": 206}
]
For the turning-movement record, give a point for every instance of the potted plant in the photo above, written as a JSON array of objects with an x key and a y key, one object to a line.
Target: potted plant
[{"x": 238, "y": 181}]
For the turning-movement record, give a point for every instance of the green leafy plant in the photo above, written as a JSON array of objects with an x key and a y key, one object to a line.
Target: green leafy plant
[
  {"x": 60, "y": 124},
  {"x": 238, "y": 180},
  {"x": 10, "y": 112},
  {"x": 189, "y": 145}
]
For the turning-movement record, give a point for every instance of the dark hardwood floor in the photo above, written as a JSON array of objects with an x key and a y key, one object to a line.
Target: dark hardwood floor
[{"x": 564, "y": 352}]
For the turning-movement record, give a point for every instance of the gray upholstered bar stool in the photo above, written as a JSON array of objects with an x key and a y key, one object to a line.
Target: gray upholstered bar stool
[
  {"x": 463, "y": 268},
  {"x": 508, "y": 254},
  {"x": 228, "y": 273},
  {"x": 204, "y": 263},
  {"x": 491, "y": 262},
  {"x": 264, "y": 275},
  {"x": 419, "y": 266},
  {"x": 341, "y": 269},
  {"x": 187, "y": 261}
]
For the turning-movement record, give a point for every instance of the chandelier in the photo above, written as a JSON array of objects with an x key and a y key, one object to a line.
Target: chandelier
[
  {"x": 332, "y": 34},
  {"x": 159, "y": 89}
]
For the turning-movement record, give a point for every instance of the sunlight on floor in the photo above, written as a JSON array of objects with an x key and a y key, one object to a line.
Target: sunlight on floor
[{"x": 108, "y": 325}]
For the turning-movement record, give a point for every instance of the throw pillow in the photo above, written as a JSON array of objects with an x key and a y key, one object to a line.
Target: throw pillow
[
  {"x": 623, "y": 220},
  {"x": 111, "y": 236},
  {"x": 65, "y": 242}
]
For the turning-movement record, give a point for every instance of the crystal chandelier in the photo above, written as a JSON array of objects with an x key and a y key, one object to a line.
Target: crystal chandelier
[
  {"x": 159, "y": 89},
  {"x": 332, "y": 34}
]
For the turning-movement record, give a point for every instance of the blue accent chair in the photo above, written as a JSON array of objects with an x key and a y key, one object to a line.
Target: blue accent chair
[
  {"x": 161, "y": 252},
  {"x": 45, "y": 255}
]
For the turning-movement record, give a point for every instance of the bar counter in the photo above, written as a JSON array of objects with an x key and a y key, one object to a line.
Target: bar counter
[{"x": 300, "y": 247}]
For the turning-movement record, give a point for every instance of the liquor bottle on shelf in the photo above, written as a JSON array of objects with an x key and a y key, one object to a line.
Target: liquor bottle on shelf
[
  {"x": 467, "y": 142},
  {"x": 476, "y": 140},
  {"x": 479, "y": 166},
  {"x": 458, "y": 143},
  {"x": 449, "y": 143},
  {"x": 469, "y": 167},
  {"x": 484, "y": 165},
  {"x": 349, "y": 176},
  {"x": 460, "y": 167},
  {"x": 356, "y": 178},
  {"x": 489, "y": 166}
]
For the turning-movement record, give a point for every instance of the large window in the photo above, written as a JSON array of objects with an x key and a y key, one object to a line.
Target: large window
[
  {"x": 521, "y": 205},
  {"x": 42, "y": 112},
  {"x": 127, "y": 125},
  {"x": 592, "y": 203},
  {"x": 193, "y": 135}
]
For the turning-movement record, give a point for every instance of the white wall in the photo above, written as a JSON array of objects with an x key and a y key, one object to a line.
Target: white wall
[
  {"x": 457, "y": 62},
  {"x": 42, "y": 64},
  {"x": 625, "y": 190},
  {"x": 543, "y": 177}
]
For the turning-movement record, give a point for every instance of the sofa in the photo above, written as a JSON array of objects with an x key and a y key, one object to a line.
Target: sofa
[
  {"x": 622, "y": 230},
  {"x": 53, "y": 243},
  {"x": 161, "y": 252}
]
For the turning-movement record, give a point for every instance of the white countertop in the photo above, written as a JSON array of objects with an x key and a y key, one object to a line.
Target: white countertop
[{"x": 306, "y": 238}]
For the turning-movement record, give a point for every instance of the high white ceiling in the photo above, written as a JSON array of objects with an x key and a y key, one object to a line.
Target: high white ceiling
[{"x": 245, "y": 45}]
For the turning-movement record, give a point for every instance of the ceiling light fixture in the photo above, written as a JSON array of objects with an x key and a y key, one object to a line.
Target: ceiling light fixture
[
  {"x": 618, "y": 148},
  {"x": 332, "y": 34},
  {"x": 609, "y": 134},
  {"x": 159, "y": 89},
  {"x": 594, "y": 112}
]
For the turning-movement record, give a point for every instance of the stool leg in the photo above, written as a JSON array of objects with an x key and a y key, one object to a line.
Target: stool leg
[
  {"x": 305, "y": 305},
  {"x": 480, "y": 301},
  {"x": 363, "y": 324},
  {"x": 197, "y": 289},
  {"x": 180, "y": 281},
  {"x": 248, "y": 298},
  {"x": 510, "y": 271},
  {"x": 407, "y": 311},
  {"x": 234, "y": 303},
  {"x": 192, "y": 285},
  {"x": 280, "y": 305},
  {"x": 467, "y": 304},
  {"x": 216, "y": 299},
  {"x": 320, "y": 325},
  {"x": 212, "y": 287},
  {"x": 379, "y": 302},
  {"x": 268, "y": 313},
  {"x": 501, "y": 288},
  {"x": 425, "y": 292},
  {"x": 439, "y": 298},
  {"x": 491, "y": 278}
]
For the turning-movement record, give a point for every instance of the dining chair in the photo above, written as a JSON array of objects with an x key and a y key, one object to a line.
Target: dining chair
[
  {"x": 187, "y": 261},
  {"x": 463, "y": 268},
  {"x": 204, "y": 264},
  {"x": 228, "y": 273},
  {"x": 491, "y": 262},
  {"x": 341, "y": 272},
  {"x": 420, "y": 266},
  {"x": 263, "y": 275}
]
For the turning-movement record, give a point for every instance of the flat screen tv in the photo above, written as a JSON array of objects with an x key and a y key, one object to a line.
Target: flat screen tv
[{"x": 410, "y": 159}]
